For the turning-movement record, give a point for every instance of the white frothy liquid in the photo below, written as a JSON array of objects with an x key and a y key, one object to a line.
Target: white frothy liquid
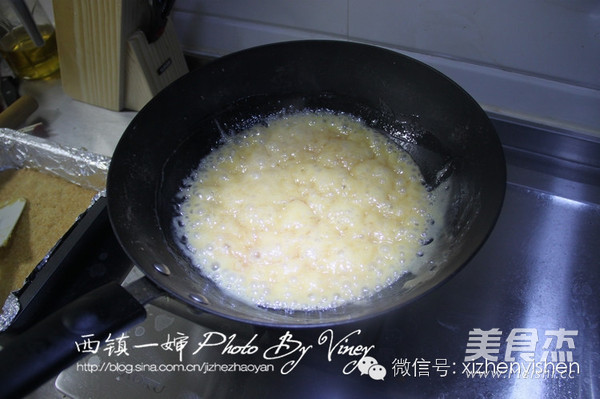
[{"x": 312, "y": 211}]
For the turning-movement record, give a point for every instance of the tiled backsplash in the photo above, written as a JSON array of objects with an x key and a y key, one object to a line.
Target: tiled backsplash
[{"x": 535, "y": 60}]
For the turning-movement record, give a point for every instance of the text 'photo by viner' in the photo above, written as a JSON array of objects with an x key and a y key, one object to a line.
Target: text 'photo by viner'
[{"x": 521, "y": 353}]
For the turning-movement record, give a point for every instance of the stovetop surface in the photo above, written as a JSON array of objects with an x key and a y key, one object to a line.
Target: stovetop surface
[{"x": 521, "y": 319}]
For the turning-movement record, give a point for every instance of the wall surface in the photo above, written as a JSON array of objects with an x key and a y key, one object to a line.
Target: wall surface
[{"x": 534, "y": 60}]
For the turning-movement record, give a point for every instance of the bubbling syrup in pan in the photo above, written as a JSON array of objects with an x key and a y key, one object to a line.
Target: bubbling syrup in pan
[{"x": 308, "y": 211}]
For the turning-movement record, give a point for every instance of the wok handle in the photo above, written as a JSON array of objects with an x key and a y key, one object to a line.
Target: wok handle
[{"x": 53, "y": 344}]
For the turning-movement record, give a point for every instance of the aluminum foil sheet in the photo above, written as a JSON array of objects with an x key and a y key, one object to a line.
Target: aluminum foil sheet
[
  {"x": 10, "y": 309},
  {"x": 20, "y": 150}
]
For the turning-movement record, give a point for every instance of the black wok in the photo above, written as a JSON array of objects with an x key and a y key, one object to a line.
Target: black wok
[
  {"x": 443, "y": 128},
  {"x": 439, "y": 124}
]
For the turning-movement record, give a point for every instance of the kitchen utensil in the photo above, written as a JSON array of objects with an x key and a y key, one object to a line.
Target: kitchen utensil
[
  {"x": 9, "y": 216},
  {"x": 28, "y": 22}
]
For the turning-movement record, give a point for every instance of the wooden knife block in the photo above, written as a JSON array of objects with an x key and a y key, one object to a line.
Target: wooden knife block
[{"x": 105, "y": 59}]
